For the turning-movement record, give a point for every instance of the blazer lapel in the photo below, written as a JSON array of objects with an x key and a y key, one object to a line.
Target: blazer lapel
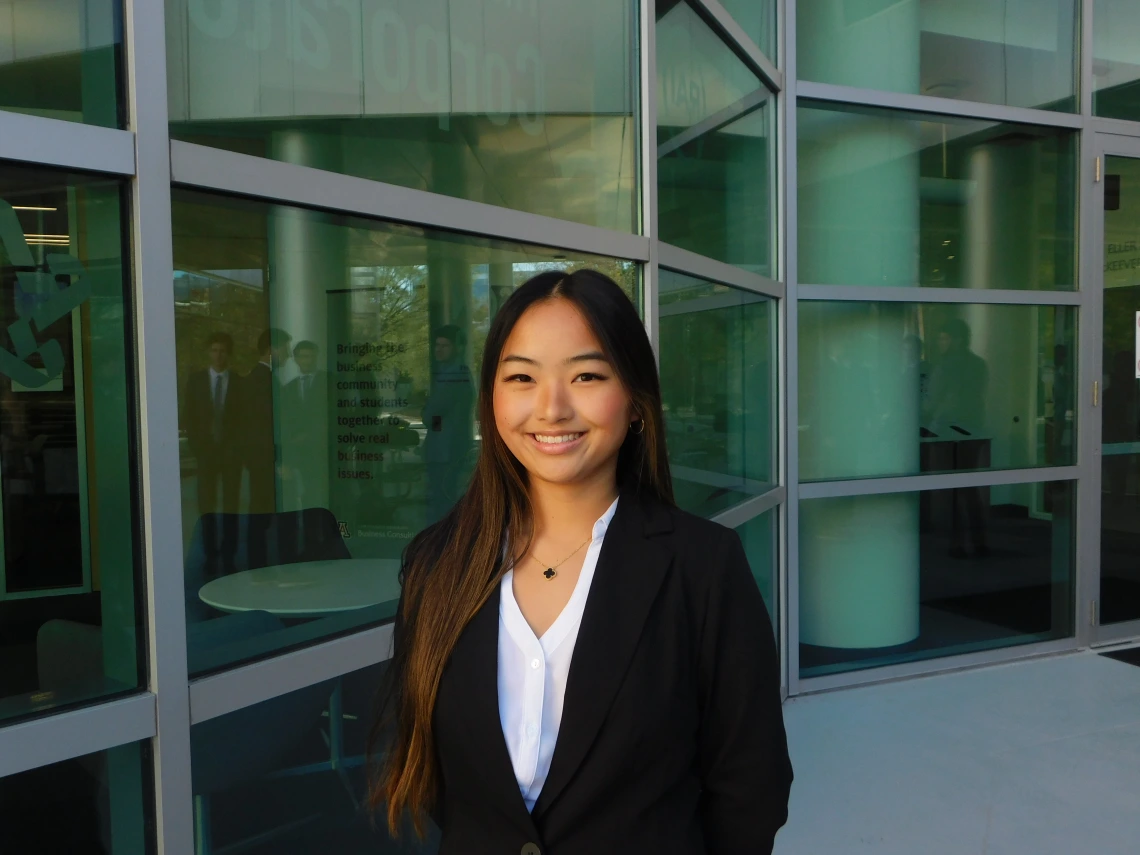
[
  {"x": 475, "y": 666},
  {"x": 629, "y": 574}
]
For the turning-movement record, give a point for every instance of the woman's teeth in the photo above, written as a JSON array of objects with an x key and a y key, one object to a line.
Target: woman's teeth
[{"x": 555, "y": 440}]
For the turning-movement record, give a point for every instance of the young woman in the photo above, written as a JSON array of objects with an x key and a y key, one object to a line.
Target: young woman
[{"x": 581, "y": 668}]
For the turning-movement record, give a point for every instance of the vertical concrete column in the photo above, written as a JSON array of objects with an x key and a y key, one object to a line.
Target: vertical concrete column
[
  {"x": 308, "y": 257},
  {"x": 859, "y": 225}
]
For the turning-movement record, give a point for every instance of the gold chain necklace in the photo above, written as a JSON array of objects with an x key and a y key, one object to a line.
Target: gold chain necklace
[{"x": 550, "y": 572}]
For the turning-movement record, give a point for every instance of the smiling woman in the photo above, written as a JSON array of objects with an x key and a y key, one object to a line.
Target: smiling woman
[{"x": 518, "y": 680}]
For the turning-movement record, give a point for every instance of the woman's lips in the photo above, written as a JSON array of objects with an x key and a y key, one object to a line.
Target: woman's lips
[{"x": 561, "y": 446}]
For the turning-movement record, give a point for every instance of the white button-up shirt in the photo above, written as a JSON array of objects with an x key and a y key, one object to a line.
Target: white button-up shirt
[{"x": 533, "y": 672}]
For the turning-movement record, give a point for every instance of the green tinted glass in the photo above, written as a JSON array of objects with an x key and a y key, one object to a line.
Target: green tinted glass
[
  {"x": 900, "y": 577},
  {"x": 292, "y": 775},
  {"x": 98, "y": 803},
  {"x": 326, "y": 375},
  {"x": 70, "y": 589},
  {"x": 902, "y": 199},
  {"x": 758, "y": 20},
  {"x": 1120, "y": 402},
  {"x": 718, "y": 386},
  {"x": 760, "y": 541},
  {"x": 1116, "y": 59},
  {"x": 715, "y": 146},
  {"x": 905, "y": 388},
  {"x": 1020, "y": 53},
  {"x": 63, "y": 59},
  {"x": 529, "y": 106}
]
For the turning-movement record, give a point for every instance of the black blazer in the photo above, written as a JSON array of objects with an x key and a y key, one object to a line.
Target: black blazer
[
  {"x": 258, "y": 438},
  {"x": 672, "y": 738},
  {"x": 197, "y": 416}
]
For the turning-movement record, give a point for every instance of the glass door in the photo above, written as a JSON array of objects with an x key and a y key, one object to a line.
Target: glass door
[{"x": 1116, "y": 615}]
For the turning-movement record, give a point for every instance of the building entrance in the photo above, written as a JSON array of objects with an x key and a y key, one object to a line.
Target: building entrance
[{"x": 1116, "y": 612}]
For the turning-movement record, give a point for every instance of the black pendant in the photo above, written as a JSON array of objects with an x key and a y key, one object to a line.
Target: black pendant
[{"x": 549, "y": 573}]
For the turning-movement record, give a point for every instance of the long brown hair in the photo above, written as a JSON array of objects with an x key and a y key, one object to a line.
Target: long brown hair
[{"x": 452, "y": 568}]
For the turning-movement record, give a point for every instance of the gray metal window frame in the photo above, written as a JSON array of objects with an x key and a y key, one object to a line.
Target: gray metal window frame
[
  {"x": 145, "y": 154},
  {"x": 1086, "y": 472}
]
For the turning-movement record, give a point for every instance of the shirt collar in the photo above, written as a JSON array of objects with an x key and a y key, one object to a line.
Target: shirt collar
[
  {"x": 214, "y": 373},
  {"x": 604, "y": 521}
]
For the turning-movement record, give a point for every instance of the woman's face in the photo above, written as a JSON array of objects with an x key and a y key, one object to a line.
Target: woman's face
[{"x": 559, "y": 406}]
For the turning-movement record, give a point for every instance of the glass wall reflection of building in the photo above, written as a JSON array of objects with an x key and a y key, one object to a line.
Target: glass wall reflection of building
[{"x": 249, "y": 254}]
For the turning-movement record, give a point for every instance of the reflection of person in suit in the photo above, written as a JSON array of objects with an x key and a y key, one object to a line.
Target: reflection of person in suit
[
  {"x": 260, "y": 443},
  {"x": 957, "y": 398},
  {"x": 446, "y": 415},
  {"x": 211, "y": 416},
  {"x": 306, "y": 426}
]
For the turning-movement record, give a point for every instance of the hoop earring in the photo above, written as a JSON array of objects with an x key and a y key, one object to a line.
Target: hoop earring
[{"x": 633, "y": 428}]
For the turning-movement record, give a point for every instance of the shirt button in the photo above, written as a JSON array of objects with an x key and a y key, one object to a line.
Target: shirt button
[
  {"x": 534, "y": 663},
  {"x": 531, "y": 849},
  {"x": 531, "y": 731}
]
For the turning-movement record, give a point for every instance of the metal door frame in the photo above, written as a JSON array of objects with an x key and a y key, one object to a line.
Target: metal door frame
[{"x": 1090, "y": 629}]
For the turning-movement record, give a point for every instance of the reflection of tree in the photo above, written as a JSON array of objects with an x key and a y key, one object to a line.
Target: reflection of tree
[
  {"x": 392, "y": 308},
  {"x": 210, "y": 303}
]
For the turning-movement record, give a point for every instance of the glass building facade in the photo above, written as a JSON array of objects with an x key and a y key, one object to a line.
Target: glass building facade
[{"x": 887, "y": 252}]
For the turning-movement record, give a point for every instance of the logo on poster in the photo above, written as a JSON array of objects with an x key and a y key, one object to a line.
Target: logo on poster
[{"x": 40, "y": 302}]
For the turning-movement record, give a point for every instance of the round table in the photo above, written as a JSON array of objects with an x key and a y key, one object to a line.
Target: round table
[{"x": 308, "y": 589}]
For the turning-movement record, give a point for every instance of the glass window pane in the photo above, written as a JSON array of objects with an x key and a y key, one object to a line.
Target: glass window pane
[
  {"x": 760, "y": 541},
  {"x": 100, "y": 803},
  {"x": 63, "y": 59},
  {"x": 1020, "y": 53},
  {"x": 70, "y": 587},
  {"x": 907, "y": 576},
  {"x": 715, "y": 146},
  {"x": 529, "y": 106},
  {"x": 1120, "y": 380},
  {"x": 758, "y": 20},
  {"x": 1116, "y": 59},
  {"x": 719, "y": 408},
  {"x": 904, "y": 388},
  {"x": 346, "y": 353},
  {"x": 903, "y": 199},
  {"x": 289, "y": 774}
]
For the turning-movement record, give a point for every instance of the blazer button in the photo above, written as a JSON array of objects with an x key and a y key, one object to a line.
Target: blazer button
[{"x": 531, "y": 849}]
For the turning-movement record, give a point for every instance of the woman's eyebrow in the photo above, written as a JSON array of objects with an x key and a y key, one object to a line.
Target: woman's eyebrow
[
  {"x": 514, "y": 357},
  {"x": 592, "y": 356}
]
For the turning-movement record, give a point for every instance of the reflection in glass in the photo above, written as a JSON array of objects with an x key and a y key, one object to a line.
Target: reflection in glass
[
  {"x": 1116, "y": 59},
  {"x": 1120, "y": 413},
  {"x": 529, "y": 106},
  {"x": 901, "y": 199},
  {"x": 715, "y": 145},
  {"x": 901, "y": 577},
  {"x": 1020, "y": 53},
  {"x": 758, "y": 20},
  {"x": 718, "y": 390},
  {"x": 99, "y": 803},
  {"x": 63, "y": 59},
  {"x": 326, "y": 371},
  {"x": 70, "y": 589},
  {"x": 905, "y": 388},
  {"x": 287, "y": 776},
  {"x": 760, "y": 538}
]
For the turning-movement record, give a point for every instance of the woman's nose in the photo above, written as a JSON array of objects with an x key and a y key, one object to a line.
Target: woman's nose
[{"x": 553, "y": 404}]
